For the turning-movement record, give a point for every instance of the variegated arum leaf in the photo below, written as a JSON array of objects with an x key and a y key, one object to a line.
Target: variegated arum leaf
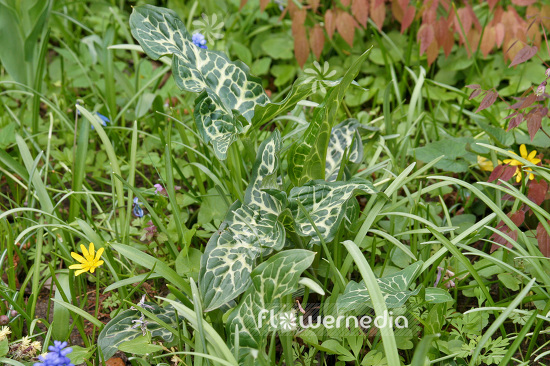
[
  {"x": 265, "y": 113},
  {"x": 307, "y": 156},
  {"x": 229, "y": 93},
  {"x": 394, "y": 288},
  {"x": 124, "y": 328},
  {"x": 435, "y": 295},
  {"x": 344, "y": 140},
  {"x": 250, "y": 229},
  {"x": 326, "y": 204},
  {"x": 276, "y": 277}
]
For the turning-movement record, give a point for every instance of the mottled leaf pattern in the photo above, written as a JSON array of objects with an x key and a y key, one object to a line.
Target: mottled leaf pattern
[
  {"x": 308, "y": 154},
  {"x": 265, "y": 113},
  {"x": 435, "y": 295},
  {"x": 228, "y": 91},
  {"x": 273, "y": 279},
  {"x": 395, "y": 289},
  {"x": 250, "y": 228},
  {"x": 120, "y": 330},
  {"x": 326, "y": 205},
  {"x": 343, "y": 137}
]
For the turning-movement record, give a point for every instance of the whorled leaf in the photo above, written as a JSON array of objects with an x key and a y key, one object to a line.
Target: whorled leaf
[
  {"x": 307, "y": 156},
  {"x": 276, "y": 277},
  {"x": 344, "y": 139},
  {"x": 326, "y": 204},
  {"x": 250, "y": 229},
  {"x": 395, "y": 289},
  {"x": 228, "y": 91},
  {"x": 123, "y": 328}
]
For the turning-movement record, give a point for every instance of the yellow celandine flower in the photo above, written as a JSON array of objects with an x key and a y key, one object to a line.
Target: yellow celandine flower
[
  {"x": 485, "y": 164},
  {"x": 89, "y": 262},
  {"x": 4, "y": 333},
  {"x": 529, "y": 157}
]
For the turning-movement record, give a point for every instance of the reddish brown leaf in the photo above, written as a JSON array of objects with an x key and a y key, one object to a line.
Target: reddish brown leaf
[
  {"x": 317, "y": 40},
  {"x": 489, "y": 99},
  {"x": 346, "y": 26},
  {"x": 508, "y": 172},
  {"x": 496, "y": 173},
  {"x": 503, "y": 241},
  {"x": 243, "y": 3},
  {"x": 263, "y": 4},
  {"x": 537, "y": 191},
  {"x": 544, "y": 240},
  {"x": 515, "y": 121},
  {"x": 525, "y": 54},
  {"x": 360, "y": 10},
  {"x": 488, "y": 41},
  {"x": 523, "y": 2},
  {"x": 518, "y": 217},
  {"x": 432, "y": 52},
  {"x": 378, "y": 13},
  {"x": 492, "y": 4},
  {"x": 301, "y": 47},
  {"x": 345, "y": 2},
  {"x": 534, "y": 122},
  {"x": 314, "y": 4},
  {"x": 425, "y": 36},
  {"x": 408, "y": 17},
  {"x": 473, "y": 86},
  {"x": 475, "y": 93},
  {"x": 499, "y": 34},
  {"x": 528, "y": 101},
  {"x": 330, "y": 24}
]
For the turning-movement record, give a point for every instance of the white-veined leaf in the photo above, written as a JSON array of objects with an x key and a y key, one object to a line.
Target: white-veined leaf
[
  {"x": 343, "y": 137},
  {"x": 229, "y": 93},
  {"x": 394, "y": 288},
  {"x": 325, "y": 203}
]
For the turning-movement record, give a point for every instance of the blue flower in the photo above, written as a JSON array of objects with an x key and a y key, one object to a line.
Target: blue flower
[
  {"x": 137, "y": 211},
  {"x": 57, "y": 355},
  {"x": 103, "y": 119},
  {"x": 199, "y": 40}
]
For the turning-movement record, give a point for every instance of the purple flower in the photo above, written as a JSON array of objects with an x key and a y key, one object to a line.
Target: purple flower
[
  {"x": 159, "y": 189},
  {"x": 439, "y": 270},
  {"x": 150, "y": 231},
  {"x": 199, "y": 40},
  {"x": 137, "y": 211},
  {"x": 57, "y": 355}
]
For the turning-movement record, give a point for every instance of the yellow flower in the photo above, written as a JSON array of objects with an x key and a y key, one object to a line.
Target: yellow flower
[
  {"x": 485, "y": 164},
  {"x": 4, "y": 333},
  {"x": 89, "y": 262},
  {"x": 529, "y": 157}
]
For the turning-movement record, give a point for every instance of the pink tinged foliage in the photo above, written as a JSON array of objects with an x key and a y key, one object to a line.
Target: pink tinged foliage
[
  {"x": 525, "y": 54},
  {"x": 543, "y": 240},
  {"x": 489, "y": 99}
]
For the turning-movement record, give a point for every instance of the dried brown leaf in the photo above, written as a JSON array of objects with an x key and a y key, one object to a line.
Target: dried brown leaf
[
  {"x": 263, "y": 4},
  {"x": 301, "y": 46},
  {"x": 378, "y": 13}
]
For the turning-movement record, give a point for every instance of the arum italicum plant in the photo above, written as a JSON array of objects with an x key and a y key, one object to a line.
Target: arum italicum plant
[{"x": 89, "y": 261}]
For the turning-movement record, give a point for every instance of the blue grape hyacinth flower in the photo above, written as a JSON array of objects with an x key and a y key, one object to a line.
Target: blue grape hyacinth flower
[
  {"x": 199, "y": 40},
  {"x": 137, "y": 211},
  {"x": 57, "y": 355}
]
